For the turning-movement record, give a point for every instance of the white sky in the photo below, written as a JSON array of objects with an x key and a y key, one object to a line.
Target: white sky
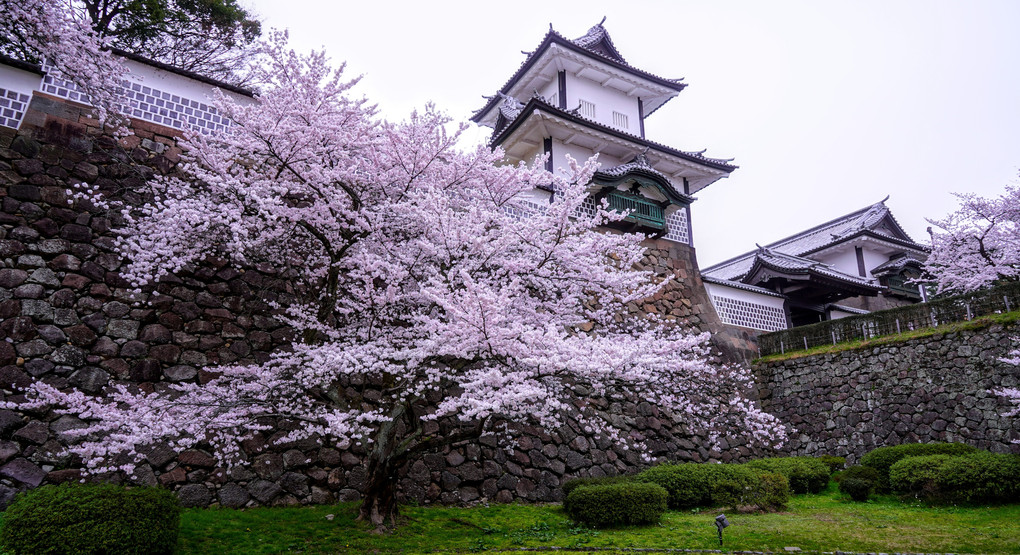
[{"x": 827, "y": 106}]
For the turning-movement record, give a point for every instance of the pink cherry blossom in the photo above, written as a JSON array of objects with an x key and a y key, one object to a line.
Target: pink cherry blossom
[{"x": 978, "y": 244}]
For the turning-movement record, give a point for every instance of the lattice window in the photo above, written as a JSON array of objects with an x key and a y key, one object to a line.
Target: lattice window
[
  {"x": 676, "y": 227},
  {"x": 749, "y": 315},
  {"x": 554, "y": 100},
  {"x": 148, "y": 104},
  {"x": 522, "y": 209},
  {"x": 620, "y": 120},
  {"x": 587, "y": 109},
  {"x": 12, "y": 107}
]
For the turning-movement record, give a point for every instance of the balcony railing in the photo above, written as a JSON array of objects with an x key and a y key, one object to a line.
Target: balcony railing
[{"x": 640, "y": 209}]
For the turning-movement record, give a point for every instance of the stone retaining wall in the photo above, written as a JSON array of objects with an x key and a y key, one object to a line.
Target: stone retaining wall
[{"x": 923, "y": 390}]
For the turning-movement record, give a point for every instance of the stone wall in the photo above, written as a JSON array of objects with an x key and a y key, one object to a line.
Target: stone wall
[
  {"x": 686, "y": 301},
  {"x": 921, "y": 390},
  {"x": 69, "y": 319}
]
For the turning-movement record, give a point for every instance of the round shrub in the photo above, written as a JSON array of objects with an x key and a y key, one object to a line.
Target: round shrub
[
  {"x": 688, "y": 484},
  {"x": 858, "y": 482},
  {"x": 914, "y": 475},
  {"x": 743, "y": 487},
  {"x": 834, "y": 463},
  {"x": 616, "y": 504},
  {"x": 979, "y": 477},
  {"x": 574, "y": 483},
  {"x": 883, "y": 458},
  {"x": 91, "y": 518},
  {"x": 806, "y": 474}
]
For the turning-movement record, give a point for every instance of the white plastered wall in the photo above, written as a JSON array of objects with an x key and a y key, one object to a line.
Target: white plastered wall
[
  {"x": 606, "y": 101},
  {"x": 16, "y": 87}
]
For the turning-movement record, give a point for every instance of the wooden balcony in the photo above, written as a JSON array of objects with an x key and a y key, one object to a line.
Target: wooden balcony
[{"x": 640, "y": 210}]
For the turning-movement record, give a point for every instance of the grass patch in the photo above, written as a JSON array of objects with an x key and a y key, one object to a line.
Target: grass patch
[
  {"x": 827, "y": 521},
  {"x": 978, "y": 323}
]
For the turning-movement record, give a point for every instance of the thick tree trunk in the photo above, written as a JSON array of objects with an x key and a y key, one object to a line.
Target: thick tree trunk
[{"x": 380, "y": 502}]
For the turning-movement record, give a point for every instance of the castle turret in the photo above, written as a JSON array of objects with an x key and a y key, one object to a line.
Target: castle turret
[{"x": 581, "y": 97}]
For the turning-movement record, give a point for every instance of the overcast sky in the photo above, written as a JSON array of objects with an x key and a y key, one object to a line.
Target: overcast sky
[{"x": 827, "y": 107}]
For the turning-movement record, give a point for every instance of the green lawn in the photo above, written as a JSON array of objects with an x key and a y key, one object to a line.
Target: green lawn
[{"x": 823, "y": 522}]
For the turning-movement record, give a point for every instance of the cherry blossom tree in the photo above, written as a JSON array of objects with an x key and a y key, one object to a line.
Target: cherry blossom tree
[
  {"x": 421, "y": 271},
  {"x": 977, "y": 245}
]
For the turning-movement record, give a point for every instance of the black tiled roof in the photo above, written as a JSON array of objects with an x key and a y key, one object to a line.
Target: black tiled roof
[
  {"x": 499, "y": 135},
  {"x": 21, "y": 64},
  {"x": 855, "y": 224},
  {"x": 586, "y": 44}
]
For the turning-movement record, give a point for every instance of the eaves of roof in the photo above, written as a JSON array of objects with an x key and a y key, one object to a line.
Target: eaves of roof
[
  {"x": 896, "y": 265},
  {"x": 552, "y": 37},
  {"x": 848, "y": 309},
  {"x": 742, "y": 286},
  {"x": 536, "y": 103},
  {"x": 816, "y": 269},
  {"x": 21, "y": 64},
  {"x": 617, "y": 174},
  {"x": 183, "y": 72}
]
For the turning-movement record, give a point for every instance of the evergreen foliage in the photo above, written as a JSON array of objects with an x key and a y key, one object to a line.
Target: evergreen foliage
[
  {"x": 858, "y": 482},
  {"x": 883, "y": 458},
  {"x": 806, "y": 474},
  {"x": 91, "y": 519},
  {"x": 979, "y": 477},
  {"x": 616, "y": 504}
]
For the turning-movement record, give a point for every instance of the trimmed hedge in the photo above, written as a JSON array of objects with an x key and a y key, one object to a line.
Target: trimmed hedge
[
  {"x": 979, "y": 477},
  {"x": 883, "y": 458},
  {"x": 700, "y": 485},
  {"x": 91, "y": 519},
  {"x": 858, "y": 482},
  {"x": 616, "y": 504},
  {"x": 806, "y": 474}
]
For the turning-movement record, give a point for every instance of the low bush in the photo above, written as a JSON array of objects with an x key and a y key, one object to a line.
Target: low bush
[
  {"x": 91, "y": 519},
  {"x": 913, "y": 475},
  {"x": 574, "y": 483},
  {"x": 687, "y": 484},
  {"x": 883, "y": 458},
  {"x": 750, "y": 488},
  {"x": 834, "y": 463},
  {"x": 806, "y": 474},
  {"x": 604, "y": 505},
  {"x": 859, "y": 482},
  {"x": 698, "y": 485},
  {"x": 979, "y": 477}
]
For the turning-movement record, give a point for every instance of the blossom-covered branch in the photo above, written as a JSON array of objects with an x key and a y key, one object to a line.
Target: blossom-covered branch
[{"x": 978, "y": 244}]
